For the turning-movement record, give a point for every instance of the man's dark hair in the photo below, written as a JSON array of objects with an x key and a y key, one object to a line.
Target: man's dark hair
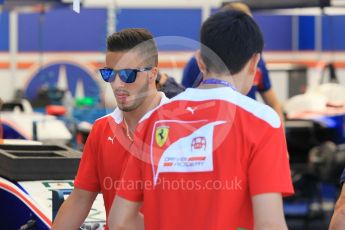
[
  {"x": 233, "y": 37},
  {"x": 135, "y": 38}
]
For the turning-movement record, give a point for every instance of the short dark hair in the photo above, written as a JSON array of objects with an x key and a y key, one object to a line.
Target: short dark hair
[
  {"x": 134, "y": 38},
  {"x": 233, "y": 37}
]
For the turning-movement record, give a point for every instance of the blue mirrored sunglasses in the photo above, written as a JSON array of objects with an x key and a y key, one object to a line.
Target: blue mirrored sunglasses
[{"x": 126, "y": 75}]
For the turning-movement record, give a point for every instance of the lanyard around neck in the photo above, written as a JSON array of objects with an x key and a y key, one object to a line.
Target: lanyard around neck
[{"x": 214, "y": 81}]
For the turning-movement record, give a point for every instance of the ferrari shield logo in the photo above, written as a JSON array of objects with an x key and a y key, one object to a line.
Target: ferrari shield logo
[{"x": 162, "y": 133}]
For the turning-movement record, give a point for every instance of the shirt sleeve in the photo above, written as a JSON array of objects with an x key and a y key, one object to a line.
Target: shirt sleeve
[
  {"x": 171, "y": 88},
  {"x": 87, "y": 175},
  {"x": 269, "y": 169},
  {"x": 265, "y": 82},
  {"x": 191, "y": 74}
]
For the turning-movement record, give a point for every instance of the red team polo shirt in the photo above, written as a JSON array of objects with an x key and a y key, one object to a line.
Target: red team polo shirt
[
  {"x": 104, "y": 156},
  {"x": 201, "y": 159}
]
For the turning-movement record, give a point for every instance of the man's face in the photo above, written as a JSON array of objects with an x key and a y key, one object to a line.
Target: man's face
[{"x": 129, "y": 96}]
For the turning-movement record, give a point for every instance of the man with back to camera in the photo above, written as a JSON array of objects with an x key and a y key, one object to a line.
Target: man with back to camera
[
  {"x": 131, "y": 69},
  {"x": 262, "y": 84},
  {"x": 206, "y": 135}
]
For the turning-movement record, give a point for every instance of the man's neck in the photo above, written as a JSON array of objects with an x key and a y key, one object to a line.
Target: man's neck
[
  {"x": 226, "y": 78},
  {"x": 132, "y": 118}
]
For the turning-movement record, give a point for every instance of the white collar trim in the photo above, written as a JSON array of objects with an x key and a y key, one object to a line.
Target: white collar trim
[{"x": 117, "y": 114}]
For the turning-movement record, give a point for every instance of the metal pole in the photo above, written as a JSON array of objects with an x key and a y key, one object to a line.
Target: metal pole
[
  {"x": 111, "y": 19},
  {"x": 13, "y": 47},
  {"x": 295, "y": 32}
]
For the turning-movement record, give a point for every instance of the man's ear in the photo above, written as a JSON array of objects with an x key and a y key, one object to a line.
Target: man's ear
[
  {"x": 253, "y": 63},
  {"x": 200, "y": 62},
  {"x": 153, "y": 74}
]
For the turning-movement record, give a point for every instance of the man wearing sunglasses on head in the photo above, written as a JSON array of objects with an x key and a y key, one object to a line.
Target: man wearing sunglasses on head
[{"x": 131, "y": 69}]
